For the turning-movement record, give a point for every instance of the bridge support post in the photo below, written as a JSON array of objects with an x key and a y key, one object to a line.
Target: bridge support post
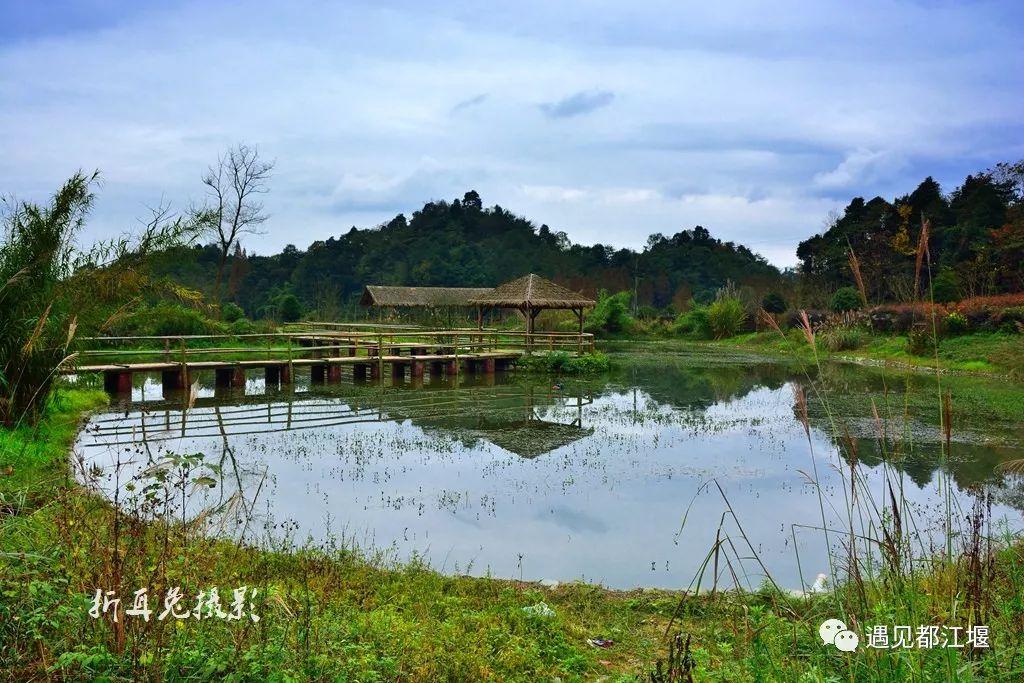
[
  {"x": 117, "y": 381},
  {"x": 333, "y": 373},
  {"x": 229, "y": 377},
  {"x": 489, "y": 365},
  {"x": 318, "y": 373},
  {"x": 374, "y": 371},
  {"x": 416, "y": 369},
  {"x": 451, "y": 368},
  {"x": 174, "y": 380},
  {"x": 273, "y": 376},
  {"x": 397, "y": 372},
  {"x": 359, "y": 372},
  {"x": 286, "y": 373}
]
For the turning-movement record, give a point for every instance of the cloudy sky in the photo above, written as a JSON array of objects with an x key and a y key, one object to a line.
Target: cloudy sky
[{"x": 609, "y": 120}]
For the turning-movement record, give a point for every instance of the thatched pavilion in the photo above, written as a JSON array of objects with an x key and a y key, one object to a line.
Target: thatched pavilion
[
  {"x": 431, "y": 299},
  {"x": 532, "y": 294}
]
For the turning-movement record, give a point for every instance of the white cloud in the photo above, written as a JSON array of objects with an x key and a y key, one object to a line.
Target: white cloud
[
  {"x": 734, "y": 117},
  {"x": 860, "y": 167}
]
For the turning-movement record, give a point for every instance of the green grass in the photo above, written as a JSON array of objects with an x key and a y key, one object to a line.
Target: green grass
[
  {"x": 980, "y": 353},
  {"x": 331, "y": 613}
]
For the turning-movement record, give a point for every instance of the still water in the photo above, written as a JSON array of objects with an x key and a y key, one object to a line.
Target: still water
[{"x": 627, "y": 480}]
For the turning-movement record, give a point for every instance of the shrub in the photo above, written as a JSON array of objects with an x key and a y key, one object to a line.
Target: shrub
[
  {"x": 921, "y": 342},
  {"x": 230, "y": 312},
  {"x": 647, "y": 313},
  {"x": 845, "y": 299},
  {"x": 694, "y": 322},
  {"x": 773, "y": 303},
  {"x": 842, "y": 338},
  {"x": 611, "y": 314},
  {"x": 726, "y": 317},
  {"x": 243, "y": 326},
  {"x": 289, "y": 309},
  {"x": 946, "y": 286},
  {"x": 956, "y": 324},
  {"x": 561, "y": 362},
  {"x": 167, "y": 319}
]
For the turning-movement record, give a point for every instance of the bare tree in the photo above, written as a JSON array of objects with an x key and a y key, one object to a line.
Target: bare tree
[{"x": 234, "y": 186}]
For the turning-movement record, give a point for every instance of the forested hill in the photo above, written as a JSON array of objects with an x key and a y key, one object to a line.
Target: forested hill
[
  {"x": 975, "y": 241},
  {"x": 461, "y": 243}
]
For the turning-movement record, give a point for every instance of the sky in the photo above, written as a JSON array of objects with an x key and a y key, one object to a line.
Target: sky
[{"x": 608, "y": 120}]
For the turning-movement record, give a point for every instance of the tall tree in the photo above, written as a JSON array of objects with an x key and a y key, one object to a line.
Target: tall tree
[{"x": 234, "y": 185}]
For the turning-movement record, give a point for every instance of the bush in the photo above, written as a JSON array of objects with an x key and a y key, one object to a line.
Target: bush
[
  {"x": 773, "y": 303},
  {"x": 289, "y": 309},
  {"x": 694, "y": 322},
  {"x": 726, "y": 317},
  {"x": 231, "y": 312},
  {"x": 611, "y": 314},
  {"x": 921, "y": 342},
  {"x": 842, "y": 338},
  {"x": 845, "y": 299},
  {"x": 243, "y": 326},
  {"x": 561, "y": 362},
  {"x": 168, "y": 319},
  {"x": 956, "y": 324},
  {"x": 946, "y": 286}
]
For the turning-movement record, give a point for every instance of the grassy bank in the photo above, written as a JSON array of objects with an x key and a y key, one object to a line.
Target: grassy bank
[
  {"x": 985, "y": 353},
  {"x": 330, "y": 613}
]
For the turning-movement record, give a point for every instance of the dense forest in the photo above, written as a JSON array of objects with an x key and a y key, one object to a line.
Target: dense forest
[
  {"x": 462, "y": 243},
  {"x": 975, "y": 240},
  {"x": 975, "y": 246}
]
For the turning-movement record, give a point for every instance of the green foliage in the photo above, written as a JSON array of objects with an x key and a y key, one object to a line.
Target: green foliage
[
  {"x": 564, "y": 363},
  {"x": 842, "y": 338},
  {"x": 726, "y": 317},
  {"x": 168, "y": 319},
  {"x": 694, "y": 322},
  {"x": 774, "y": 303},
  {"x": 283, "y": 305},
  {"x": 230, "y": 312},
  {"x": 956, "y": 323},
  {"x": 243, "y": 326},
  {"x": 845, "y": 299},
  {"x": 976, "y": 235},
  {"x": 288, "y": 308},
  {"x": 448, "y": 243},
  {"x": 611, "y": 314},
  {"x": 946, "y": 286},
  {"x": 52, "y": 293},
  {"x": 921, "y": 342}
]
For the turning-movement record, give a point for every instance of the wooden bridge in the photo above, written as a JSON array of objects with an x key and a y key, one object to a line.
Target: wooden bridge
[{"x": 324, "y": 350}]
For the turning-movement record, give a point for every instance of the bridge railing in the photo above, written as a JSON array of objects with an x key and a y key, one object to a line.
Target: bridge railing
[{"x": 324, "y": 343}]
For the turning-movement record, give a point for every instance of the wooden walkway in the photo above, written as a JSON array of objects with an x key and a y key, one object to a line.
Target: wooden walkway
[{"x": 370, "y": 355}]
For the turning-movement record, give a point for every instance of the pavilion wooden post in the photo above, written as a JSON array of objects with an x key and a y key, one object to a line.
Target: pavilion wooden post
[
  {"x": 531, "y": 318},
  {"x": 579, "y": 314}
]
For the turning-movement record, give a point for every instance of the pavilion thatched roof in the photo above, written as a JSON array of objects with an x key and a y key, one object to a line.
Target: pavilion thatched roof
[
  {"x": 532, "y": 291},
  {"x": 420, "y": 297}
]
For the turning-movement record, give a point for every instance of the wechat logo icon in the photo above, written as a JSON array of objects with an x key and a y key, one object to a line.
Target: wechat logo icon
[{"x": 834, "y": 632}]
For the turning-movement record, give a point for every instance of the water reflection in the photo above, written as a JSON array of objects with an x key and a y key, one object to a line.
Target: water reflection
[{"x": 517, "y": 478}]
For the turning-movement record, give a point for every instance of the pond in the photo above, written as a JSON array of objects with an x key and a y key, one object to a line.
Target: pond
[{"x": 626, "y": 480}]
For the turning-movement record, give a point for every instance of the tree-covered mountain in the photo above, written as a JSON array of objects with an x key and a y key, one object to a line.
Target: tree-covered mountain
[
  {"x": 462, "y": 243},
  {"x": 975, "y": 242}
]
